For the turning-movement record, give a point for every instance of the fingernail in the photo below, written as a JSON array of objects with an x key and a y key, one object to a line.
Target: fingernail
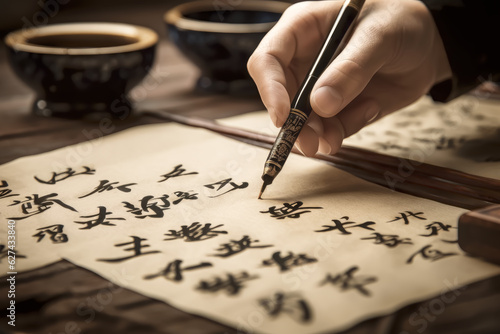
[
  {"x": 273, "y": 116},
  {"x": 315, "y": 124},
  {"x": 328, "y": 100},
  {"x": 280, "y": 123},
  {"x": 371, "y": 113},
  {"x": 324, "y": 147},
  {"x": 277, "y": 120}
]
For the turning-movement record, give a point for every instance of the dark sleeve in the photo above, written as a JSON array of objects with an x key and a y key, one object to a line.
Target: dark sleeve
[{"x": 470, "y": 30}]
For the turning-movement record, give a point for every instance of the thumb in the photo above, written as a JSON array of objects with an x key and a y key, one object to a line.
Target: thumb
[{"x": 348, "y": 74}]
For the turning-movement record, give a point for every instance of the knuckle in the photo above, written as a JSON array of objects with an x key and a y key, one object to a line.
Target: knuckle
[
  {"x": 346, "y": 75},
  {"x": 298, "y": 8},
  {"x": 253, "y": 62}
]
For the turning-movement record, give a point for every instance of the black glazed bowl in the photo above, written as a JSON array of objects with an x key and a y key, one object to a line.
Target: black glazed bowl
[
  {"x": 220, "y": 36},
  {"x": 82, "y": 70}
]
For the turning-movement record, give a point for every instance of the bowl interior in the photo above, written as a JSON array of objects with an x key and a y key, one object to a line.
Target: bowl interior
[
  {"x": 82, "y": 40},
  {"x": 234, "y": 16},
  {"x": 224, "y": 17}
]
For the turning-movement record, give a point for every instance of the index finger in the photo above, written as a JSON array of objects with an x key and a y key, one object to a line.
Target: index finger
[{"x": 284, "y": 56}]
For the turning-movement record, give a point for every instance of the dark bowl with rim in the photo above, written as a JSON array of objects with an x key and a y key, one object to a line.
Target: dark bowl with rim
[
  {"x": 219, "y": 37},
  {"x": 82, "y": 70}
]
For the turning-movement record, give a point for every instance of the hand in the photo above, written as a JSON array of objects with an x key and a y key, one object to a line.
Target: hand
[{"x": 394, "y": 56}]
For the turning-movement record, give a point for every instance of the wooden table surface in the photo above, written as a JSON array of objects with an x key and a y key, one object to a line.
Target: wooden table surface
[{"x": 63, "y": 298}]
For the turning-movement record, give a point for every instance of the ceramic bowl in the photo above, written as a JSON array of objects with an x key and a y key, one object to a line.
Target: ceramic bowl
[
  {"x": 219, "y": 37},
  {"x": 82, "y": 69}
]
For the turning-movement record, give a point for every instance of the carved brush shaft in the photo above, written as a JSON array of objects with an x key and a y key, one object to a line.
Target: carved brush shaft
[{"x": 285, "y": 141}]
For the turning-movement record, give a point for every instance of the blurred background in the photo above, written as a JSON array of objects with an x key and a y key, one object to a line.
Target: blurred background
[
  {"x": 27, "y": 13},
  {"x": 21, "y": 14}
]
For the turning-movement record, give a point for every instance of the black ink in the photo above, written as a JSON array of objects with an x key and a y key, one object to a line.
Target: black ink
[
  {"x": 173, "y": 270},
  {"x": 445, "y": 143},
  {"x": 35, "y": 204},
  {"x": 69, "y": 172},
  {"x": 136, "y": 248},
  {"x": 389, "y": 240},
  {"x": 342, "y": 228},
  {"x": 223, "y": 183},
  {"x": 406, "y": 217},
  {"x": 390, "y": 145},
  {"x": 435, "y": 227},
  {"x": 153, "y": 207},
  {"x": 287, "y": 262},
  {"x": 347, "y": 281},
  {"x": 55, "y": 231},
  {"x": 4, "y": 193},
  {"x": 195, "y": 232},
  {"x": 178, "y": 171},
  {"x": 181, "y": 195},
  {"x": 231, "y": 284},
  {"x": 289, "y": 210},
  {"x": 289, "y": 303},
  {"x": 429, "y": 254},
  {"x": 148, "y": 204},
  {"x": 236, "y": 246},
  {"x": 105, "y": 185},
  {"x": 101, "y": 218}
]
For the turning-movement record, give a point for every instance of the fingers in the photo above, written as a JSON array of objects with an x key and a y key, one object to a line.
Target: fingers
[
  {"x": 271, "y": 84},
  {"x": 270, "y": 78},
  {"x": 356, "y": 116},
  {"x": 327, "y": 137},
  {"x": 307, "y": 142},
  {"x": 279, "y": 63},
  {"x": 369, "y": 48}
]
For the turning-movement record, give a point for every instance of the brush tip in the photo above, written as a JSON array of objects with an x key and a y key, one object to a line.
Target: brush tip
[{"x": 262, "y": 190}]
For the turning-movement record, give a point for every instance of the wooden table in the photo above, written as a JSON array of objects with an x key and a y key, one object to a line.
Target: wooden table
[{"x": 63, "y": 298}]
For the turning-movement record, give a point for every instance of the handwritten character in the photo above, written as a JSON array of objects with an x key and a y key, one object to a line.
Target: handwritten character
[
  {"x": 136, "y": 248},
  {"x": 4, "y": 193},
  {"x": 178, "y": 171},
  {"x": 237, "y": 246},
  {"x": 34, "y": 205},
  {"x": 105, "y": 185},
  {"x": 291, "y": 304},
  {"x": 55, "y": 231},
  {"x": 348, "y": 281},
  {"x": 195, "y": 232},
  {"x": 101, "y": 218},
  {"x": 231, "y": 283},
  {"x": 428, "y": 253},
  {"x": 389, "y": 240},
  {"x": 173, "y": 271},
  {"x": 405, "y": 216},
  {"x": 151, "y": 207},
  {"x": 341, "y": 226},
  {"x": 290, "y": 210},
  {"x": 287, "y": 262},
  {"x": 223, "y": 183},
  {"x": 69, "y": 172}
]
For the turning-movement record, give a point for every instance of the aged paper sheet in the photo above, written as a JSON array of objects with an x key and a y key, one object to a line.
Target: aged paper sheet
[
  {"x": 171, "y": 212},
  {"x": 463, "y": 134}
]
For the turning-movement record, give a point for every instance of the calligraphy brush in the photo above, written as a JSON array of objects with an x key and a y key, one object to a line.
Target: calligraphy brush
[{"x": 300, "y": 108}]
